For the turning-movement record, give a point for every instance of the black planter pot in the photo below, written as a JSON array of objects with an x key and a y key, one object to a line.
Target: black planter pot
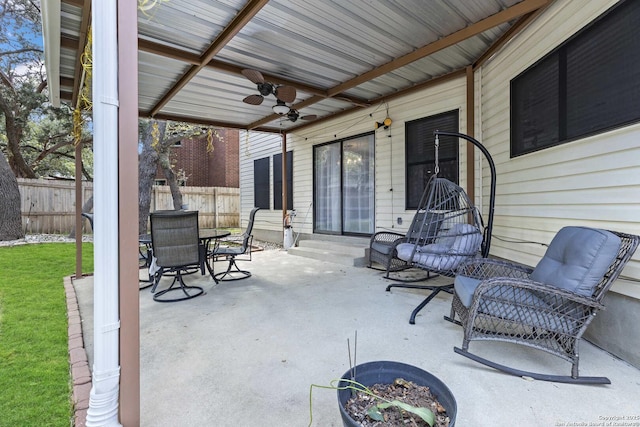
[{"x": 385, "y": 372}]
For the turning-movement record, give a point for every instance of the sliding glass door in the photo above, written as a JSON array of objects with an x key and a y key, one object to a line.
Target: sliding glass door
[{"x": 344, "y": 186}]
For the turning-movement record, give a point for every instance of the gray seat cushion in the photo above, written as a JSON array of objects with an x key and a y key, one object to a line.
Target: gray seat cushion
[
  {"x": 465, "y": 287},
  {"x": 382, "y": 247},
  {"x": 577, "y": 259},
  {"x": 454, "y": 246}
]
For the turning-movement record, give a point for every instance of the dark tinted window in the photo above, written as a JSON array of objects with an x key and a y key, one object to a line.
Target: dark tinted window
[
  {"x": 589, "y": 84},
  {"x": 261, "y": 183},
  {"x": 420, "y": 153}
]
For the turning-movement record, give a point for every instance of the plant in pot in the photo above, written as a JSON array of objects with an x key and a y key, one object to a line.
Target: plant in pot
[{"x": 387, "y": 393}]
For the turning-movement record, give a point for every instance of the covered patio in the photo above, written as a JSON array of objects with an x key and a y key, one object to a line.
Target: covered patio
[
  {"x": 349, "y": 64},
  {"x": 246, "y": 353}
]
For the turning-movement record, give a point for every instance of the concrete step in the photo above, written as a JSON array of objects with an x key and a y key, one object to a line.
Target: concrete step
[{"x": 352, "y": 254}]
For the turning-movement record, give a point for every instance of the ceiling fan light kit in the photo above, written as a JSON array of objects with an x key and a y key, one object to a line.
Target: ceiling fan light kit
[{"x": 281, "y": 108}]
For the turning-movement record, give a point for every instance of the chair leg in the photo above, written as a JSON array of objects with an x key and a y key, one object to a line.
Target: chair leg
[
  {"x": 188, "y": 291},
  {"x": 573, "y": 379},
  {"x": 435, "y": 290},
  {"x": 233, "y": 272}
]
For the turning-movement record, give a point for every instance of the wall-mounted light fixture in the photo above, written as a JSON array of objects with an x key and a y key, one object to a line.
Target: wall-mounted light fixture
[{"x": 385, "y": 123}]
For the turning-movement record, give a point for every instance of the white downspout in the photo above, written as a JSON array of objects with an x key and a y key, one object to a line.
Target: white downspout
[{"x": 103, "y": 400}]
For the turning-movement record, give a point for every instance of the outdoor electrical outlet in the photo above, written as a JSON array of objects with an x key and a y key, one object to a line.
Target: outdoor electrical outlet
[{"x": 399, "y": 220}]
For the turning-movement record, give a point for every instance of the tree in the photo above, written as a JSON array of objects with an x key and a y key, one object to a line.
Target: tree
[
  {"x": 156, "y": 139},
  {"x": 17, "y": 19},
  {"x": 35, "y": 138},
  {"x": 10, "y": 217}
]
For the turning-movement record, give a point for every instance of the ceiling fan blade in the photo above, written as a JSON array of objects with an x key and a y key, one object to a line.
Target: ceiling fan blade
[
  {"x": 254, "y": 75},
  {"x": 286, "y": 93},
  {"x": 253, "y": 99},
  {"x": 309, "y": 117}
]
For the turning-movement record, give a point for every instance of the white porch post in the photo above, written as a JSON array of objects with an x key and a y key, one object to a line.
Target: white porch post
[{"x": 103, "y": 400}]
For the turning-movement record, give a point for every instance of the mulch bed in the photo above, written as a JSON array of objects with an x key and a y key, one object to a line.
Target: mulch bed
[{"x": 404, "y": 391}]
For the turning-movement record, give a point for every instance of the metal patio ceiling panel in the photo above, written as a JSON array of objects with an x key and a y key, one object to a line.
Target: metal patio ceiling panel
[
  {"x": 218, "y": 96},
  {"x": 189, "y": 25},
  {"x": 437, "y": 64},
  {"x": 156, "y": 75},
  {"x": 339, "y": 55}
]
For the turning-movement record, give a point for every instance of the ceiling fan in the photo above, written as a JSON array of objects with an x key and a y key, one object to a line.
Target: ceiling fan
[
  {"x": 281, "y": 92},
  {"x": 290, "y": 113}
]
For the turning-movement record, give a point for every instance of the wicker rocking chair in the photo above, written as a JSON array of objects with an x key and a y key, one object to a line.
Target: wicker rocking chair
[{"x": 547, "y": 308}]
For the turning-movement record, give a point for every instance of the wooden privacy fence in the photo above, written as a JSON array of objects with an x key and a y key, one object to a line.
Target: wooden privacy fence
[{"x": 48, "y": 206}]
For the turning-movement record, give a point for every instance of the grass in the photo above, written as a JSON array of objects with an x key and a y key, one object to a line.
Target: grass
[{"x": 35, "y": 383}]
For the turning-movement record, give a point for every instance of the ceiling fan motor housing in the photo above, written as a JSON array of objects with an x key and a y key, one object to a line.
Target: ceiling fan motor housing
[
  {"x": 265, "y": 89},
  {"x": 292, "y": 115}
]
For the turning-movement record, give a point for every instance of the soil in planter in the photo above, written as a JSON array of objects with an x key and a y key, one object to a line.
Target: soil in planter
[{"x": 404, "y": 391}]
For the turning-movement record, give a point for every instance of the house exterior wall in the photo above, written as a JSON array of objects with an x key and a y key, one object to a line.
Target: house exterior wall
[
  {"x": 389, "y": 158},
  {"x": 218, "y": 168},
  {"x": 577, "y": 183},
  {"x": 592, "y": 181}
]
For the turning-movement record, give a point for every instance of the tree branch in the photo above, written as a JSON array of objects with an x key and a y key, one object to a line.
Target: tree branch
[{"x": 23, "y": 50}]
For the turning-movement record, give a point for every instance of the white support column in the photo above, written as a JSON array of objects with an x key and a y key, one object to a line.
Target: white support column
[{"x": 103, "y": 400}]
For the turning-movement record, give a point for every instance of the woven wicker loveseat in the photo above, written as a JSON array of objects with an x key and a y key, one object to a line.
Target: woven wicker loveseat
[{"x": 548, "y": 307}]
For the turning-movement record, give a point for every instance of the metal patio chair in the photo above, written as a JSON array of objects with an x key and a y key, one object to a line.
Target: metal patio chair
[
  {"x": 548, "y": 307},
  {"x": 175, "y": 245},
  {"x": 232, "y": 254}
]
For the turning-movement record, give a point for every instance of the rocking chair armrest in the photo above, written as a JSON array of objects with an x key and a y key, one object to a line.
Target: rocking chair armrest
[
  {"x": 520, "y": 291},
  {"x": 486, "y": 268},
  {"x": 386, "y": 237}
]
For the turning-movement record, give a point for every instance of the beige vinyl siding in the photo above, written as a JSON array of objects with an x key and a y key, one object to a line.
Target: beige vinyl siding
[
  {"x": 389, "y": 150},
  {"x": 593, "y": 181},
  {"x": 253, "y": 146}
]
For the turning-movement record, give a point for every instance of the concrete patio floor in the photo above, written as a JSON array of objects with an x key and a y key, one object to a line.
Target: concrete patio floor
[{"x": 246, "y": 352}]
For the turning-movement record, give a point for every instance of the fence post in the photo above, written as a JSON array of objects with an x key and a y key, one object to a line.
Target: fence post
[{"x": 215, "y": 205}]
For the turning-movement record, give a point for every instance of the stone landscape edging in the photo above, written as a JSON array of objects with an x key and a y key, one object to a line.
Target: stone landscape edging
[{"x": 78, "y": 362}]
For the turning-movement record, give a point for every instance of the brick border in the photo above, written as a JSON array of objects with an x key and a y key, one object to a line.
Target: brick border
[{"x": 78, "y": 363}]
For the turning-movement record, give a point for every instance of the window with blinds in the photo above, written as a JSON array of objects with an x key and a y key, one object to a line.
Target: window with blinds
[
  {"x": 588, "y": 85},
  {"x": 261, "y": 183},
  {"x": 420, "y": 153}
]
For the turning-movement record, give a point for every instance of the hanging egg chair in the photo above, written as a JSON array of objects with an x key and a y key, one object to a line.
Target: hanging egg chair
[{"x": 446, "y": 230}]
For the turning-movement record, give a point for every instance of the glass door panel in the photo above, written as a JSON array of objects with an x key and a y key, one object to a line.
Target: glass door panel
[
  {"x": 344, "y": 186},
  {"x": 328, "y": 186},
  {"x": 358, "y": 188}
]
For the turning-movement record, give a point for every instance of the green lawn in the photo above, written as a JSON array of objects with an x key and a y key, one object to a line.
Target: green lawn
[{"x": 35, "y": 384}]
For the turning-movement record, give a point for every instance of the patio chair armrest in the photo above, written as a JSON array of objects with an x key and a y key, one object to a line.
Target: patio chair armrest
[
  {"x": 389, "y": 237},
  {"x": 486, "y": 268}
]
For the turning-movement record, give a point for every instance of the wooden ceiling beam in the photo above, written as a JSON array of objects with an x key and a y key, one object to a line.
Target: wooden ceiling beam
[
  {"x": 501, "y": 17},
  {"x": 234, "y": 27},
  {"x": 515, "y": 29},
  {"x": 415, "y": 88},
  {"x": 188, "y": 119}
]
